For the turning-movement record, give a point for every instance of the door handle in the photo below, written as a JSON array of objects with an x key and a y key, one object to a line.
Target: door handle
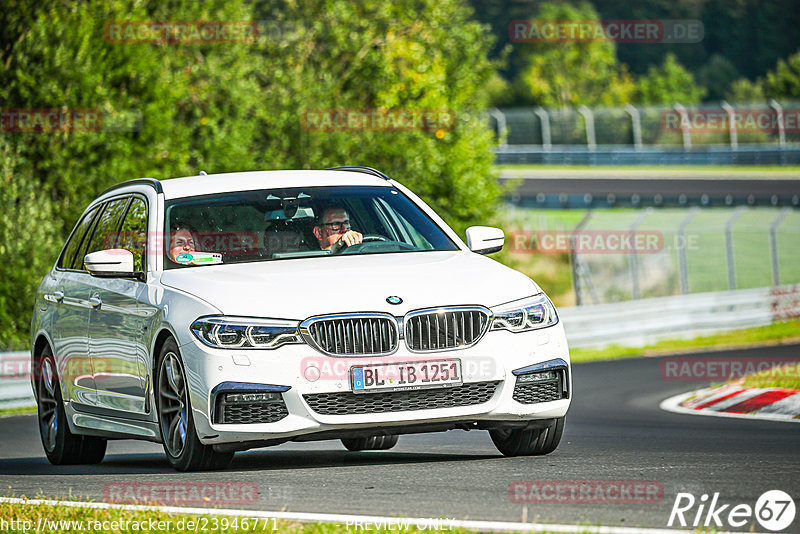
[
  {"x": 59, "y": 296},
  {"x": 95, "y": 302}
]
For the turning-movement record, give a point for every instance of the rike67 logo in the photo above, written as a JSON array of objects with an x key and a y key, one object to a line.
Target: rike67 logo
[{"x": 774, "y": 510}]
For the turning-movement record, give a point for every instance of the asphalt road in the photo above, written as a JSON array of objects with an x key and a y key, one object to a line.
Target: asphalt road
[{"x": 615, "y": 431}]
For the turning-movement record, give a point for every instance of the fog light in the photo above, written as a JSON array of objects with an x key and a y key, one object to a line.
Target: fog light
[
  {"x": 538, "y": 377},
  {"x": 252, "y": 397}
]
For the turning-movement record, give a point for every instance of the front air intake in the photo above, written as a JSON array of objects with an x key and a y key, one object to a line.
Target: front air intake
[
  {"x": 445, "y": 328},
  {"x": 352, "y": 334}
]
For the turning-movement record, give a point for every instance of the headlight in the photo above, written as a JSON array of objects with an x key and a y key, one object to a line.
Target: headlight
[
  {"x": 526, "y": 314},
  {"x": 246, "y": 333}
]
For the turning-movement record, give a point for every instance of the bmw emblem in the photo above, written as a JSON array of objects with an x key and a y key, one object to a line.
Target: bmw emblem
[{"x": 394, "y": 300}]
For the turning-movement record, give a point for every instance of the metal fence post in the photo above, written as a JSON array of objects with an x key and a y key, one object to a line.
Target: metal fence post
[
  {"x": 574, "y": 264},
  {"x": 729, "y": 246},
  {"x": 544, "y": 120},
  {"x": 781, "y": 125},
  {"x": 502, "y": 127},
  {"x": 687, "y": 135},
  {"x": 635, "y": 293},
  {"x": 773, "y": 245},
  {"x": 731, "y": 123},
  {"x": 636, "y": 125},
  {"x": 683, "y": 263},
  {"x": 588, "y": 118}
]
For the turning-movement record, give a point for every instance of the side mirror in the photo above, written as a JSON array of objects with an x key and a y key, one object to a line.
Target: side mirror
[
  {"x": 111, "y": 263},
  {"x": 485, "y": 239}
]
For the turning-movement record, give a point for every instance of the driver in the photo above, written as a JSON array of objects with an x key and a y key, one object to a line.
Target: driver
[{"x": 333, "y": 230}]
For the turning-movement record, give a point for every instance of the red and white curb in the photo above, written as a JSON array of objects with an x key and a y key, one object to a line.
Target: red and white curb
[{"x": 734, "y": 400}]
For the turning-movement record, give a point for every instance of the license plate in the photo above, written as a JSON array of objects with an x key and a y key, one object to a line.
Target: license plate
[{"x": 405, "y": 375}]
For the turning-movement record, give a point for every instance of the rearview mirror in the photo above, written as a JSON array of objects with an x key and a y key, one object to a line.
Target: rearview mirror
[
  {"x": 111, "y": 263},
  {"x": 485, "y": 239}
]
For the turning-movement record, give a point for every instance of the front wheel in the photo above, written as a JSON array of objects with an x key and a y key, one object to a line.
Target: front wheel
[
  {"x": 61, "y": 446},
  {"x": 183, "y": 448},
  {"x": 531, "y": 441}
]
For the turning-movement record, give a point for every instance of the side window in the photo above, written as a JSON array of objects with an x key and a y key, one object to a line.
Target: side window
[
  {"x": 74, "y": 243},
  {"x": 133, "y": 234},
  {"x": 104, "y": 235}
]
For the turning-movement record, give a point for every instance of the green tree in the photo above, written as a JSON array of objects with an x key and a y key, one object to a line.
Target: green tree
[
  {"x": 167, "y": 110},
  {"x": 408, "y": 54},
  {"x": 569, "y": 74},
  {"x": 743, "y": 90},
  {"x": 174, "y": 109},
  {"x": 668, "y": 83},
  {"x": 784, "y": 81},
  {"x": 27, "y": 240},
  {"x": 716, "y": 76}
]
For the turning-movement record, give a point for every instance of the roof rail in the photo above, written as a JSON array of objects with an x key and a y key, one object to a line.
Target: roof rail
[
  {"x": 152, "y": 182},
  {"x": 360, "y": 168}
]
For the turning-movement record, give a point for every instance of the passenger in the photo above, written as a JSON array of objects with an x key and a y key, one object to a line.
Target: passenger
[{"x": 182, "y": 241}]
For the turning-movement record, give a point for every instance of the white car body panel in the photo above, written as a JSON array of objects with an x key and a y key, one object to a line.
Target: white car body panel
[
  {"x": 167, "y": 302},
  {"x": 298, "y": 289}
]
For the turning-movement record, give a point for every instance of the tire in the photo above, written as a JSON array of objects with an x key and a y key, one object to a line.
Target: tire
[
  {"x": 183, "y": 448},
  {"x": 529, "y": 442},
  {"x": 61, "y": 446},
  {"x": 372, "y": 443}
]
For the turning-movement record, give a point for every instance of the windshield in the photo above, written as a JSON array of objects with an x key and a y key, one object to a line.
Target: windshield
[{"x": 276, "y": 224}]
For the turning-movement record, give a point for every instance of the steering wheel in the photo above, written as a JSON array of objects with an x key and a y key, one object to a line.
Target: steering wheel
[
  {"x": 340, "y": 246},
  {"x": 374, "y": 237}
]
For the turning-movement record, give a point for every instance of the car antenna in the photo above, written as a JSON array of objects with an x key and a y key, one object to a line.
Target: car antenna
[{"x": 203, "y": 173}]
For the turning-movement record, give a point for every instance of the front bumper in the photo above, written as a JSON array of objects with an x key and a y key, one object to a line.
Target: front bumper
[{"x": 493, "y": 360}]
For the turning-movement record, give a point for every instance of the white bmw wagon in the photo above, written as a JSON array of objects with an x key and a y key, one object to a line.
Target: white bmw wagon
[{"x": 220, "y": 313}]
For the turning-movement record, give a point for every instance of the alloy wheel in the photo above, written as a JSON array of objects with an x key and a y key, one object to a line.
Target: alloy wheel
[
  {"x": 48, "y": 406},
  {"x": 173, "y": 404}
]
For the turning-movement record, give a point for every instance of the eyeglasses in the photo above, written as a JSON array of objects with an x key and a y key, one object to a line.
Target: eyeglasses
[
  {"x": 179, "y": 242},
  {"x": 337, "y": 226}
]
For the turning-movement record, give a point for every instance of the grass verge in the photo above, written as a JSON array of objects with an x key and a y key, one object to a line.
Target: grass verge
[
  {"x": 56, "y": 519},
  {"x": 775, "y": 334},
  {"x": 17, "y": 411},
  {"x": 787, "y": 376}
]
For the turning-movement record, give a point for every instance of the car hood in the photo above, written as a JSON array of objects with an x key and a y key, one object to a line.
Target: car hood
[{"x": 303, "y": 287}]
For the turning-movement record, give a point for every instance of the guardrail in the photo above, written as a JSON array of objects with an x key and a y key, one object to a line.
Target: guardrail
[
  {"x": 626, "y": 155},
  {"x": 631, "y": 323},
  {"x": 639, "y": 322},
  {"x": 15, "y": 384}
]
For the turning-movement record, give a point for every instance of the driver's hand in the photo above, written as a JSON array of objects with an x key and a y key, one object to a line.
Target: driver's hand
[{"x": 350, "y": 238}]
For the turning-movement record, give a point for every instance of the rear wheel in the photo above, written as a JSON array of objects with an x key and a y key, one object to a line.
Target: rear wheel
[
  {"x": 61, "y": 446},
  {"x": 183, "y": 448},
  {"x": 372, "y": 443},
  {"x": 529, "y": 442}
]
